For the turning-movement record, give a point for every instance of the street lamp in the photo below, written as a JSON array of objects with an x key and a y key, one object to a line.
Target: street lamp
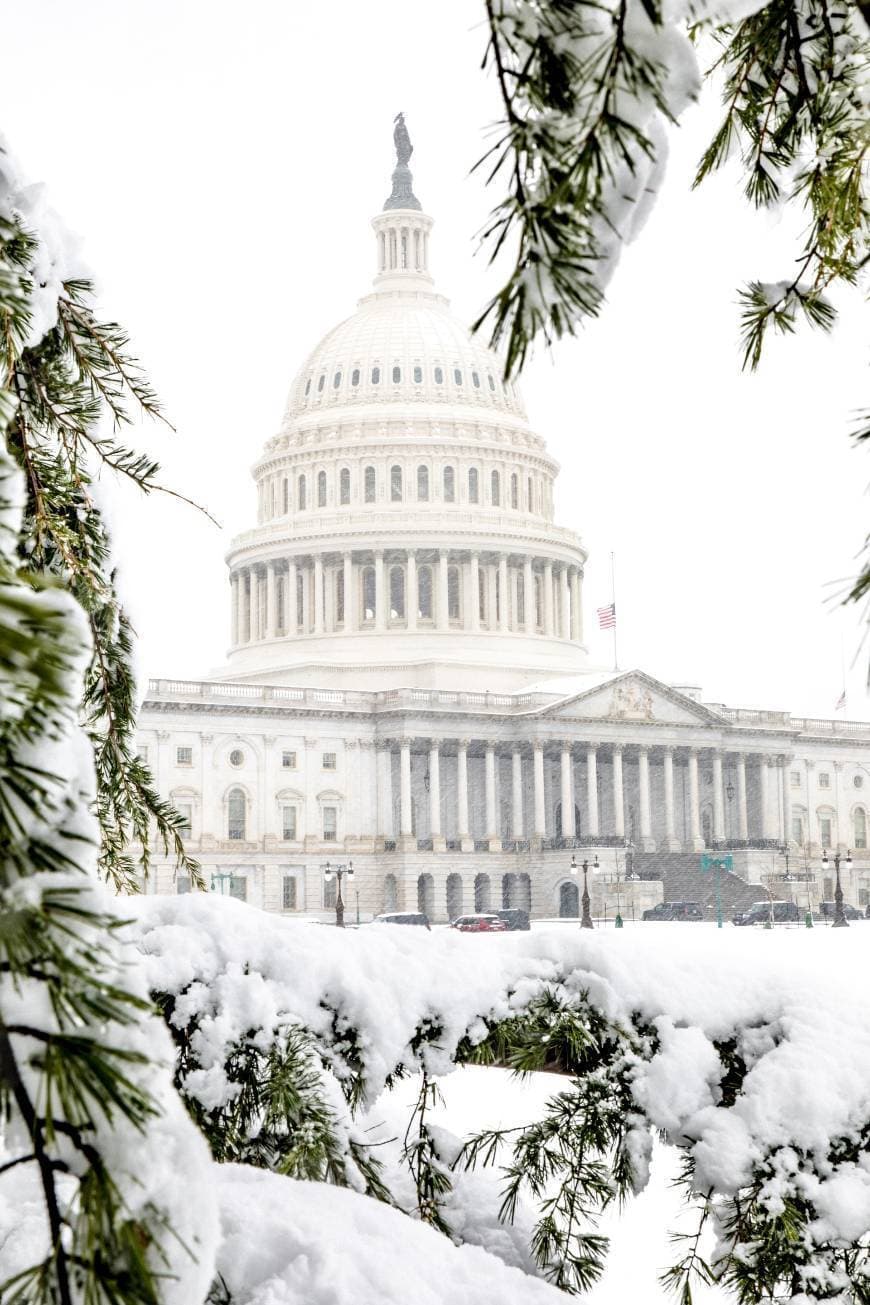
[
  {"x": 338, "y": 871},
  {"x": 840, "y": 921},
  {"x": 586, "y": 921}
]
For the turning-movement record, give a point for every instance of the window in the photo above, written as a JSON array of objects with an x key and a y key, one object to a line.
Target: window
[
  {"x": 424, "y": 593},
  {"x": 795, "y": 779},
  {"x": 328, "y": 761},
  {"x": 520, "y": 614},
  {"x": 397, "y": 375},
  {"x": 237, "y": 757},
  {"x": 453, "y": 593},
  {"x": 369, "y": 491},
  {"x": 824, "y": 779},
  {"x": 858, "y": 781},
  {"x": 473, "y": 485},
  {"x": 239, "y": 887},
  {"x": 185, "y": 810},
  {"x": 285, "y": 497},
  {"x": 825, "y": 830},
  {"x": 330, "y": 824},
  {"x": 368, "y": 593},
  {"x": 354, "y": 377},
  {"x": 529, "y": 498},
  {"x": 308, "y": 387},
  {"x": 481, "y": 594},
  {"x": 439, "y": 376},
  {"x": 288, "y": 760},
  {"x": 491, "y": 383},
  {"x": 288, "y": 900},
  {"x": 515, "y": 491},
  {"x": 418, "y": 375},
  {"x": 344, "y": 486},
  {"x": 859, "y": 821},
  {"x": 457, "y": 375},
  {"x": 423, "y": 484},
  {"x": 495, "y": 483},
  {"x": 396, "y": 484},
  {"x": 184, "y": 756},
  {"x": 321, "y": 489},
  {"x": 475, "y": 379},
  {"x": 449, "y": 479},
  {"x": 376, "y": 376},
  {"x": 330, "y": 893},
  {"x": 397, "y": 593},
  {"x": 797, "y": 830},
  {"x": 236, "y": 812},
  {"x": 300, "y": 494},
  {"x": 336, "y": 380},
  {"x": 321, "y": 382},
  {"x": 288, "y": 824}
]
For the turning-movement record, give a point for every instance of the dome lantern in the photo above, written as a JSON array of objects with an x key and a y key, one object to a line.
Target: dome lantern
[{"x": 402, "y": 228}]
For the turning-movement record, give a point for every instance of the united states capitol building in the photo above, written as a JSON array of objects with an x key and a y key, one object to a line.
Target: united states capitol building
[{"x": 407, "y": 685}]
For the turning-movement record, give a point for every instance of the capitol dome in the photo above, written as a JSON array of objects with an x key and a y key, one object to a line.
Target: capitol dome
[{"x": 405, "y": 530}]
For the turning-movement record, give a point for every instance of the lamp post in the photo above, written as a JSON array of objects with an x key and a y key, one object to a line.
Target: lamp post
[
  {"x": 840, "y": 921},
  {"x": 586, "y": 921},
  {"x": 808, "y": 918},
  {"x": 339, "y": 871}
]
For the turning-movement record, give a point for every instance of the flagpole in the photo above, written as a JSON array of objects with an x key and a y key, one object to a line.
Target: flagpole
[{"x": 613, "y": 603}]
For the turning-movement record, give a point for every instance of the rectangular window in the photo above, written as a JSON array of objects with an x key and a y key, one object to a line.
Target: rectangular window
[
  {"x": 288, "y": 900},
  {"x": 795, "y": 779},
  {"x": 239, "y": 887},
  {"x": 797, "y": 830},
  {"x": 329, "y": 761},
  {"x": 184, "y": 756},
  {"x": 825, "y": 830},
  {"x": 185, "y": 810},
  {"x": 288, "y": 760},
  {"x": 182, "y": 884},
  {"x": 288, "y": 824},
  {"x": 824, "y": 779},
  {"x": 330, "y": 824}
]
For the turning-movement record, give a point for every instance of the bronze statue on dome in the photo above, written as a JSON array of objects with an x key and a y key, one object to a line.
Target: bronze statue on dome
[
  {"x": 401, "y": 139},
  {"x": 402, "y": 194}
]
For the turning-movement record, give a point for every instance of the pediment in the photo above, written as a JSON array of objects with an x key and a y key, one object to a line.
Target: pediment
[{"x": 634, "y": 697}]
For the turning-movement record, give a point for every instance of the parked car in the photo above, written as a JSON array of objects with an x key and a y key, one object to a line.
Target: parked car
[
  {"x": 675, "y": 911},
  {"x": 760, "y": 913},
  {"x": 404, "y": 917},
  {"x": 479, "y": 924},
  {"x": 827, "y": 911},
  {"x": 514, "y": 917}
]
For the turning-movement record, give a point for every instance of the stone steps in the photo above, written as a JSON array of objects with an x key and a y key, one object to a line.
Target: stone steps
[{"x": 685, "y": 881}]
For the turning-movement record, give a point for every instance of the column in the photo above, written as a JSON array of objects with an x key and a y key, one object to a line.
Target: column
[
  {"x": 491, "y": 831},
  {"x": 253, "y": 605},
  {"x": 785, "y": 837},
  {"x": 473, "y": 620},
  {"x": 764, "y": 795},
  {"x": 405, "y": 809},
  {"x": 592, "y": 790},
  {"x": 491, "y": 602},
  {"x": 517, "y": 795},
  {"x": 367, "y": 790},
  {"x": 245, "y": 631},
  {"x": 646, "y": 838},
  {"x": 671, "y": 841},
  {"x": 385, "y": 790},
  {"x": 462, "y": 827},
  {"x": 380, "y": 591},
  {"x": 504, "y": 600},
  {"x": 442, "y": 606},
  {"x": 234, "y": 609},
  {"x": 411, "y": 594},
  {"x": 540, "y": 829},
  {"x": 718, "y": 799},
  {"x": 438, "y": 841},
  {"x": 548, "y": 598},
  {"x": 568, "y": 823},
  {"x": 291, "y": 606},
  {"x": 529, "y": 596},
  {"x": 618, "y": 800},
  {"x": 349, "y": 595},
  {"x": 307, "y": 598},
  {"x": 566, "y": 603},
  {"x": 513, "y": 584},
  {"x": 697, "y": 841},
  {"x": 271, "y": 601},
  {"x": 575, "y": 605},
  {"x": 318, "y": 594},
  {"x": 353, "y": 790},
  {"x": 742, "y": 805}
]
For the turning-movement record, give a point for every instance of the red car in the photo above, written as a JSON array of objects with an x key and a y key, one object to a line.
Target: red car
[{"x": 479, "y": 924}]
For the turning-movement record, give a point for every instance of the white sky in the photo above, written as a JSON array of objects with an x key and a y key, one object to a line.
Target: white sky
[{"x": 222, "y": 162}]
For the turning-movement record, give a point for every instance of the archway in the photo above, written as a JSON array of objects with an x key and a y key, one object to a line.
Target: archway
[
  {"x": 508, "y": 890},
  {"x": 523, "y": 897},
  {"x": 391, "y": 896},
  {"x": 481, "y": 893},
  {"x": 454, "y": 896},
  {"x": 569, "y": 900},
  {"x": 426, "y": 894}
]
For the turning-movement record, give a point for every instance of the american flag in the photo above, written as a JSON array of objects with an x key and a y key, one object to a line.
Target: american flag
[
  {"x": 607, "y": 617},
  {"x": 841, "y": 702}
]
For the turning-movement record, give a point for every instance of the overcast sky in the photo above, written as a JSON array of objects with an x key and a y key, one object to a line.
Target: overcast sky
[{"x": 221, "y": 163}]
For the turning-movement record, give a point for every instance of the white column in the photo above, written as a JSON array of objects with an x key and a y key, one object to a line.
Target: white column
[
  {"x": 694, "y": 802},
  {"x": 718, "y": 799},
  {"x": 490, "y": 598},
  {"x": 234, "y": 609},
  {"x": 405, "y": 810},
  {"x": 517, "y": 795},
  {"x": 540, "y": 829},
  {"x": 575, "y": 605},
  {"x": 462, "y": 795},
  {"x": 764, "y": 793},
  {"x": 618, "y": 800},
  {"x": 349, "y": 595},
  {"x": 435, "y": 798},
  {"x": 548, "y": 598},
  {"x": 646, "y": 837},
  {"x": 504, "y": 599},
  {"x": 671, "y": 843},
  {"x": 491, "y": 832},
  {"x": 566, "y": 603},
  {"x": 271, "y": 601},
  {"x": 568, "y": 822},
  {"x": 307, "y": 598},
  {"x": 592, "y": 789},
  {"x": 473, "y": 620},
  {"x": 253, "y": 604},
  {"x": 411, "y": 594},
  {"x": 785, "y": 838},
  {"x": 385, "y": 791},
  {"x": 291, "y": 611},
  {"x": 318, "y": 594},
  {"x": 742, "y": 805},
  {"x": 368, "y": 787},
  {"x": 442, "y": 607},
  {"x": 529, "y": 596},
  {"x": 380, "y": 592}
]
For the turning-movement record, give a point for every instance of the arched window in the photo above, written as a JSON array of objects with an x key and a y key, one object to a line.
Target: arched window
[
  {"x": 236, "y": 813},
  {"x": 439, "y": 376},
  {"x": 300, "y": 493},
  {"x": 369, "y": 484},
  {"x": 423, "y": 484},
  {"x": 491, "y": 383},
  {"x": 354, "y": 377},
  {"x": 344, "y": 486},
  {"x": 473, "y": 485},
  {"x": 397, "y": 593},
  {"x": 481, "y": 892},
  {"x": 397, "y": 375},
  {"x": 391, "y": 893},
  {"x": 286, "y": 496},
  {"x": 368, "y": 593},
  {"x": 308, "y": 387},
  {"x": 495, "y": 482},
  {"x": 336, "y": 380},
  {"x": 859, "y": 822},
  {"x": 515, "y": 491},
  {"x": 321, "y": 382},
  {"x": 396, "y": 483},
  {"x": 457, "y": 375},
  {"x": 321, "y": 489},
  {"x": 453, "y": 593},
  {"x": 475, "y": 377},
  {"x": 376, "y": 376},
  {"x": 449, "y": 480},
  {"x": 424, "y": 593},
  {"x": 418, "y": 375}
]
